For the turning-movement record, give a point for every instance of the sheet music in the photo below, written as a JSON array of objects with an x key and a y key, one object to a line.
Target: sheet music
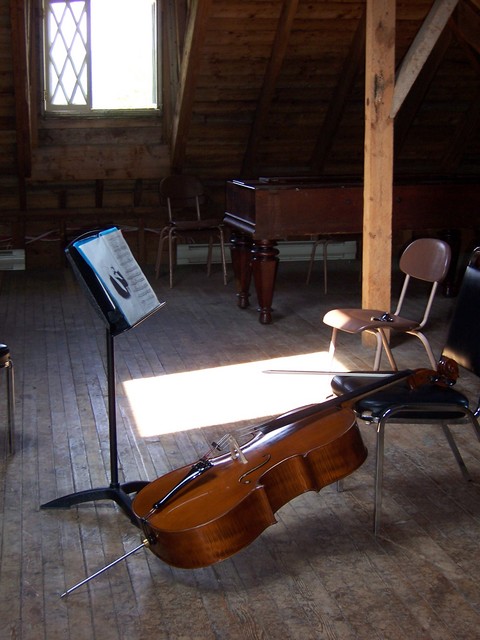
[{"x": 112, "y": 261}]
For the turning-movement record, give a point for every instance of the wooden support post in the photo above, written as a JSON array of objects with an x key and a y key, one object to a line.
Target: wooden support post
[{"x": 378, "y": 178}]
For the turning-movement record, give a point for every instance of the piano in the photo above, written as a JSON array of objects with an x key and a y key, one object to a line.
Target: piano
[{"x": 260, "y": 212}]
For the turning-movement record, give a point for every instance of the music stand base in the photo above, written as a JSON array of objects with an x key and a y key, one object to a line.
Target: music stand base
[{"x": 119, "y": 493}]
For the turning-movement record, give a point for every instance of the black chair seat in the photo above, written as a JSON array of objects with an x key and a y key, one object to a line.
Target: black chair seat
[
  {"x": 399, "y": 394},
  {"x": 4, "y": 353}
]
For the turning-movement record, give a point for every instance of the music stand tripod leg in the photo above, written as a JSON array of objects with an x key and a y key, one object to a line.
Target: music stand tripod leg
[{"x": 116, "y": 491}]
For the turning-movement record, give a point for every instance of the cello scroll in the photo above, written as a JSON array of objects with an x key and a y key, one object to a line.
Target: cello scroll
[{"x": 445, "y": 375}]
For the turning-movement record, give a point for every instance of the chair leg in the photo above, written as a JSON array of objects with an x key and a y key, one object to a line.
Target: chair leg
[
  {"x": 379, "y": 454},
  {"x": 383, "y": 343},
  {"x": 312, "y": 261},
  {"x": 164, "y": 237},
  {"x": 10, "y": 384},
  {"x": 325, "y": 266},
  {"x": 310, "y": 264},
  {"x": 378, "y": 351},
  {"x": 222, "y": 252},
  {"x": 456, "y": 452},
  {"x": 333, "y": 341},
  {"x": 158, "y": 261},
  {"x": 428, "y": 349},
  {"x": 171, "y": 240},
  {"x": 379, "y": 457},
  {"x": 209, "y": 255}
]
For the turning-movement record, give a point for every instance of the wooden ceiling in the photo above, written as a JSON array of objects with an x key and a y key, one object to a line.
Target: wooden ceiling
[
  {"x": 249, "y": 88},
  {"x": 277, "y": 88}
]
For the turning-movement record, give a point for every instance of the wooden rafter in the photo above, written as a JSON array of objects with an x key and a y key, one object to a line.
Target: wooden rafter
[
  {"x": 279, "y": 47},
  {"x": 465, "y": 132},
  {"x": 170, "y": 63},
  {"x": 422, "y": 45},
  {"x": 465, "y": 26},
  {"x": 417, "y": 93},
  {"x": 354, "y": 61},
  {"x": 21, "y": 33},
  {"x": 467, "y": 21},
  {"x": 194, "y": 39}
]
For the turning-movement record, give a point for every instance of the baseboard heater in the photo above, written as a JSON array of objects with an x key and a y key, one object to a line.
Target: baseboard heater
[
  {"x": 295, "y": 251},
  {"x": 12, "y": 259}
]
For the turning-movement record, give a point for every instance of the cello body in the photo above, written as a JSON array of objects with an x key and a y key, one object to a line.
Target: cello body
[{"x": 232, "y": 501}]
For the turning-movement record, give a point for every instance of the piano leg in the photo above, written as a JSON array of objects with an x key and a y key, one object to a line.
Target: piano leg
[
  {"x": 241, "y": 252},
  {"x": 264, "y": 267}
]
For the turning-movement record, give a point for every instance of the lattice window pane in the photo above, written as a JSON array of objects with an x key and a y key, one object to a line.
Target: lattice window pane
[{"x": 67, "y": 42}]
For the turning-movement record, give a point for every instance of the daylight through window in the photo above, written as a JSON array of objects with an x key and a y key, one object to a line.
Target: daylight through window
[{"x": 100, "y": 55}]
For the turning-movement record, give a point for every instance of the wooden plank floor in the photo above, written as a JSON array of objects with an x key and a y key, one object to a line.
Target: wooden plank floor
[{"x": 318, "y": 573}]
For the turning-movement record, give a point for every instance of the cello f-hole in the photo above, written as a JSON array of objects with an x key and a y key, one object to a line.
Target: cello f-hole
[{"x": 266, "y": 459}]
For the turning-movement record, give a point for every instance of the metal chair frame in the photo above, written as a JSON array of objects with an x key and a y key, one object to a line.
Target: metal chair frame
[
  {"x": 6, "y": 363},
  {"x": 389, "y": 416},
  {"x": 424, "y": 406}
]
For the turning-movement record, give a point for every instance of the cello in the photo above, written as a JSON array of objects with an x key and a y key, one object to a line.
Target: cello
[{"x": 198, "y": 515}]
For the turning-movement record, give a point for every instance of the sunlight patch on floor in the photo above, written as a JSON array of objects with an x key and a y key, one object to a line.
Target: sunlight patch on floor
[{"x": 222, "y": 395}]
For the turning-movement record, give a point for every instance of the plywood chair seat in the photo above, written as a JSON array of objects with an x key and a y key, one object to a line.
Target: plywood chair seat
[{"x": 358, "y": 320}]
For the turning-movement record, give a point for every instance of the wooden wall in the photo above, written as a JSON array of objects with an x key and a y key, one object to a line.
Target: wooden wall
[
  {"x": 249, "y": 88},
  {"x": 7, "y": 109}
]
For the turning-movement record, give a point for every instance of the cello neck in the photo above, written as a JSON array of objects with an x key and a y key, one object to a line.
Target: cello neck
[{"x": 344, "y": 401}]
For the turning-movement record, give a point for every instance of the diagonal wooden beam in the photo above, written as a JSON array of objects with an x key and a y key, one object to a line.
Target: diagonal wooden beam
[
  {"x": 279, "y": 47},
  {"x": 465, "y": 132},
  {"x": 465, "y": 26},
  {"x": 420, "y": 49},
  {"x": 417, "y": 93},
  {"x": 20, "y": 29},
  {"x": 194, "y": 39},
  {"x": 171, "y": 50},
  {"x": 467, "y": 21},
  {"x": 353, "y": 62}
]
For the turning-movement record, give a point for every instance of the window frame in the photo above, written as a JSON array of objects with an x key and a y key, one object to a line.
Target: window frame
[{"x": 87, "y": 110}]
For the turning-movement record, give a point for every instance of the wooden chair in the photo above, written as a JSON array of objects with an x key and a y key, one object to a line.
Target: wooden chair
[
  {"x": 184, "y": 197},
  {"x": 325, "y": 241},
  {"x": 436, "y": 401},
  {"x": 424, "y": 259}
]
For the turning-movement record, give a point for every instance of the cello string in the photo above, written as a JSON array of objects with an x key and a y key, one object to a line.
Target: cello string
[{"x": 255, "y": 429}]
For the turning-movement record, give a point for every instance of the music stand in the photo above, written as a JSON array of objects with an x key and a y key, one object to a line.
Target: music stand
[{"x": 99, "y": 260}]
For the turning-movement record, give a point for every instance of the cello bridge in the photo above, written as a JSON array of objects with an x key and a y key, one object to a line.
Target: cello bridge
[{"x": 235, "y": 450}]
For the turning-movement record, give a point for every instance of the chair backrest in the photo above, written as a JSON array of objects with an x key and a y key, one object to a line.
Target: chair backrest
[
  {"x": 182, "y": 193},
  {"x": 426, "y": 259},
  {"x": 463, "y": 339}
]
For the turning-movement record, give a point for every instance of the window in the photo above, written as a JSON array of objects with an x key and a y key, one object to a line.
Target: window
[{"x": 100, "y": 55}]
